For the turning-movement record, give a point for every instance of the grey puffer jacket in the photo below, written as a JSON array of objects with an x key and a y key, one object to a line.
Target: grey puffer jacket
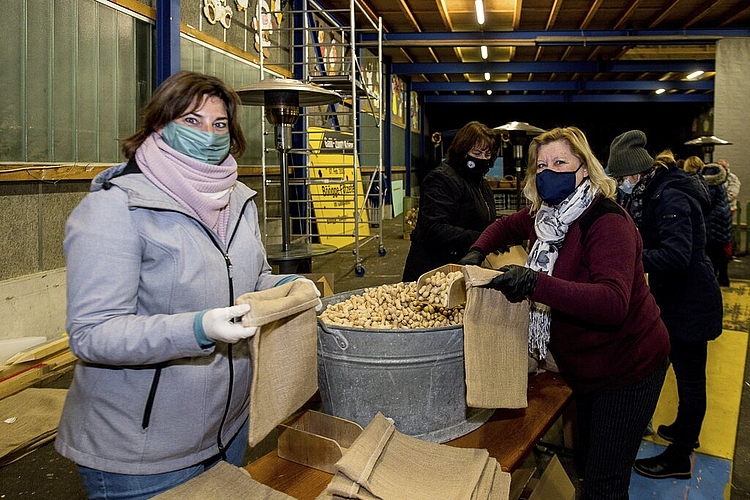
[{"x": 145, "y": 397}]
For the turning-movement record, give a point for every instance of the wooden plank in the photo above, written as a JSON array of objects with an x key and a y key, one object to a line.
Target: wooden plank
[
  {"x": 509, "y": 435},
  {"x": 22, "y": 380},
  {"x": 8, "y": 371},
  {"x": 62, "y": 360},
  {"x": 39, "y": 352},
  {"x": 50, "y": 172}
]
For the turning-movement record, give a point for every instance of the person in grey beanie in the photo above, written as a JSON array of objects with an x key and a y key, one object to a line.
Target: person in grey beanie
[{"x": 668, "y": 206}]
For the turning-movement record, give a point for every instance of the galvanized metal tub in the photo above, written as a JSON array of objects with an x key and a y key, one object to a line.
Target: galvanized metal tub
[{"x": 416, "y": 377}]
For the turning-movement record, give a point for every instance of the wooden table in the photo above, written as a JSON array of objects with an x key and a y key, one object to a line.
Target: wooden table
[{"x": 509, "y": 435}]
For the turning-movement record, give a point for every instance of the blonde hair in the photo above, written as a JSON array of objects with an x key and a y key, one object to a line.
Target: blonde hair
[
  {"x": 693, "y": 164},
  {"x": 576, "y": 139}
]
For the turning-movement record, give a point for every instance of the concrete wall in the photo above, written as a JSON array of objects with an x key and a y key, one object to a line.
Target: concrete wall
[{"x": 732, "y": 110}]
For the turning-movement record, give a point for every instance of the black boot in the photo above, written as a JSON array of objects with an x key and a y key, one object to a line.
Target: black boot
[
  {"x": 667, "y": 433},
  {"x": 670, "y": 463}
]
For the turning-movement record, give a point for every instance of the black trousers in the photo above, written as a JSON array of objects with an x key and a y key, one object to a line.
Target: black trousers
[
  {"x": 610, "y": 429},
  {"x": 689, "y": 362}
]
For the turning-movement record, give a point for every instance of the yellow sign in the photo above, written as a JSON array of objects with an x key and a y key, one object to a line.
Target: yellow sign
[{"x": 333, "y": 187}]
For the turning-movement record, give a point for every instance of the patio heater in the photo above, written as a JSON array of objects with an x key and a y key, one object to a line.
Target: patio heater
[
  {"x": 518, "y": 134},
  {"x": 707, "y": 143},
  {"x": 283, "y": 98}
]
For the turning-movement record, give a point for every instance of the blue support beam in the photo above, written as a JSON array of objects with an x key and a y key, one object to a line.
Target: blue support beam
[
  {"x": 167, "y": 39},
  {"x": 576, "y": 86},
  {"x": 565, "y": 98},
  {"x": 558, "y": 38},
  {"x": 553, "y": 67}
]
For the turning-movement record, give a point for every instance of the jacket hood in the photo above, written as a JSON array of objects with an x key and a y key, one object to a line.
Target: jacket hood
[
  {"x": 690, "y": 184},
  {"x": 714, "y": 174}
]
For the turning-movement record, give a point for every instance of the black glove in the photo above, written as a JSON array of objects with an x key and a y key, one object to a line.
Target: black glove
[
  {"x": 517, "y": 283},
  {"x": 502, "y": 249},
  {"x": 475, "y": 257}
]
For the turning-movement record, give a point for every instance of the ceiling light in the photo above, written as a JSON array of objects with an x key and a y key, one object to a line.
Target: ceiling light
[
  {"x": 659, "y": 91},
  {"x": 489, "y": 91},
  {"x": 484, "y": 52},
  {"x": 694, "y": 74},
  {"x": 480, "y": 11},
  {"x": 487, "y": 77}
]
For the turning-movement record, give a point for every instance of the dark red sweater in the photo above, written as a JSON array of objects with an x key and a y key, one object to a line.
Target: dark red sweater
[{"x": 605, "y": 331}]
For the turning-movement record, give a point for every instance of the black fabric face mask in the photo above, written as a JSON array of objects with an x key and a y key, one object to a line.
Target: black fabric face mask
[{"x": 477, "y": 165}]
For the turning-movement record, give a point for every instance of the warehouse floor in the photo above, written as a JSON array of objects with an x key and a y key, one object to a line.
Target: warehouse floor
[{"x": 44, "y": 474}]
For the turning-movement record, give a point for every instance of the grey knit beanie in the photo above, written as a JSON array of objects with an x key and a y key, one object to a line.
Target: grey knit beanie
[{"x": 628, "y": 155}]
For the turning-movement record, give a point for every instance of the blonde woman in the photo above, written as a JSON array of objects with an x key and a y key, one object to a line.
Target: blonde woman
[{"x": 589, "y": 302}]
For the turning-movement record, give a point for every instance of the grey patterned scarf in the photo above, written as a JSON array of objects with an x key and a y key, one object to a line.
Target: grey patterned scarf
[{"x": 551, "y": 225}]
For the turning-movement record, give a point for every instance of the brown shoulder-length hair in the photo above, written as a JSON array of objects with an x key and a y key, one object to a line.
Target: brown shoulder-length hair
[
  {"x": 180, "y": 94},
  {"x": 470, "y": 135},
  {"x": 579, "y": 145}
]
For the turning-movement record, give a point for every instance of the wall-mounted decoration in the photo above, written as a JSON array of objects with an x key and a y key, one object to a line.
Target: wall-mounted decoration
[
  {"x": 242, "y": 4},
  {"x": 415, "y": 112},
  {"x": 398, "y": 101},
  {"x": 264, "y": 26},
  {"x": 218, "y": 10}
]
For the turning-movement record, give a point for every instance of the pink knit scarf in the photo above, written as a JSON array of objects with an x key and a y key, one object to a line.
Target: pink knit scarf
[{"x": 190, "y": 182}]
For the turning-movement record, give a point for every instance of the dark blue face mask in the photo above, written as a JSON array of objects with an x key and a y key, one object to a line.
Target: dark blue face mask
[{"x": 553, "y": 187}]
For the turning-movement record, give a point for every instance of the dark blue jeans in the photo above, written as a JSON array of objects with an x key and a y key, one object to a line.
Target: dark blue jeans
[
  {"x": 689, "y": 363},
  {"x": 111, "y": 486}
]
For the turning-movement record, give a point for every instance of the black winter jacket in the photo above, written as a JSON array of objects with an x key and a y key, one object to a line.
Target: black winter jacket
[
  {"x": 455, "y": 206},
  {"x": 680, "y": 275}
]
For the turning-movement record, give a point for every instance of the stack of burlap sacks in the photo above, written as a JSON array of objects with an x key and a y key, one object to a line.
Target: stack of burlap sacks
[{"x": 385, "y": 464}]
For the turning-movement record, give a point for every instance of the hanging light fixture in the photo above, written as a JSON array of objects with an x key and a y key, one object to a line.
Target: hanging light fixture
[
  {"x": 489, "y": 91},
  {"x": 484, "y": 52},
  {"x": 487, "y": 77},
  {"x": 479, "y": 4},
  {"x": 694, "y": 74},
  {"x": 659, "y": 91}
]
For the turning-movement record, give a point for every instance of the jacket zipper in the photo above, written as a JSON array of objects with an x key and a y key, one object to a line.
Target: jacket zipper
[{"x": 157, "y": 374}]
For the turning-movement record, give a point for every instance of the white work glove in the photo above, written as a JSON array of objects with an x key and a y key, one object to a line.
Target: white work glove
[
  {"x": 217, "y": 324},
  {"x": 319, "y": 306}
]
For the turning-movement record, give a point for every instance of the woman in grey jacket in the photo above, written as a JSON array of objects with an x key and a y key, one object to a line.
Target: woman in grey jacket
[{"x": 156, "y": 254}]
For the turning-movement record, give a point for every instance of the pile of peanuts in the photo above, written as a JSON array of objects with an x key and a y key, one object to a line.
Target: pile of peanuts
[
  {"x": 436, "y": 287},
  {"x": 391, "y": 307}
]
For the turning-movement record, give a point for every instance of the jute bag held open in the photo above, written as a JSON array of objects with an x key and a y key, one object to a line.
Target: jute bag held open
[
  {"x": 495, "y": 344},
  {"x": 284, "y": 355}
]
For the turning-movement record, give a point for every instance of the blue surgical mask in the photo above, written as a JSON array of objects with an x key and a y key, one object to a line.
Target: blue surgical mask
[
  {"x": 206, "y": 147},
  {"x": 626, "y": 187},
  {"x": 553, "y": 187}
]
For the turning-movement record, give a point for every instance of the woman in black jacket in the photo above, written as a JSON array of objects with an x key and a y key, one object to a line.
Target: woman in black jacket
[
  {"x": 456, "y": 204},
  {"x": 667, "y": 205}
]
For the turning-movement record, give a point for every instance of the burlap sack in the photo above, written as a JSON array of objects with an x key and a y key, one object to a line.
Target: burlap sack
[
  {"x": 391, "y": 465},
  {"x": 495, "y": 344},
  {"x": 494, "y": 484},
  {"x": 224, "y": 481},
  {"x": 284, "y": 353},
  {"x": 343, "y": 487},
  {"x": 29, "y": 420}
]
